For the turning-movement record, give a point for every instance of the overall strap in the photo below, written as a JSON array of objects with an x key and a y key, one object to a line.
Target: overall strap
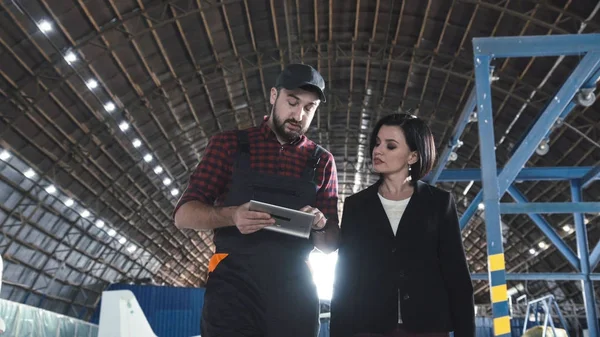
[
  {"x": 243, "y": 152},
  {"x": 313, "y": 163}
]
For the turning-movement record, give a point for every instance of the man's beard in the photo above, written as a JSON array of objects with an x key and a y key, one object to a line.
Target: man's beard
[{"x": 279, "y": 128}]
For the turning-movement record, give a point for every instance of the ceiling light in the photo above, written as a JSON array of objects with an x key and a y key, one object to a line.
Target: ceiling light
[
  {"x": 137, "y": 143},
  {"x": 543, "y": 148},
  {"x": 473, "y": 117},
  {"x": 69, "y": 202},
  {"x": 110, "y": 106},
  {"x": 99, "y": 223},
  {"x": 131, "y": 248},
  {"x": 468, "y": 188},
  {"x": 148, "y": 158},
  {"x": 45, "y": 26},
  {"x": 111, "y": 232},
  {"x": 29, "y": 173},
  {"x": 167, "y": 181},
  {"x": 85, "y": 213},
  {"x": 92, "y": 84},
  {"x": 512, "y": 291},
  {"x": 174, "y": 192},
  {"x": 124, "y": 126},
  {"x": 122, "y": 240},
  {"x": 70, "y": 57},
  {"x": 4, "y": 155},
  {"x": 531, "y": 251},
  {"x": 567, "y": 228},
  {"x": 51, "y": 189},
  {"x": 542, "y": 245},
  {"x": 158, "y": 170},
  {"x": 481, "y": 206}
]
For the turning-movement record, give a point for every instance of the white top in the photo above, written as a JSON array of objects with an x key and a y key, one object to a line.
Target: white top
[{"x": 394, "y": 210}]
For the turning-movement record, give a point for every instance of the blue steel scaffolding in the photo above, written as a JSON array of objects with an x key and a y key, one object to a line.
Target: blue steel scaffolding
[{"x": 577, "y": 89}]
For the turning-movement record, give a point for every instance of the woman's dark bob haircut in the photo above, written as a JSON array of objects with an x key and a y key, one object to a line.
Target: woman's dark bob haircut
[{"x": 418, "y": 137}]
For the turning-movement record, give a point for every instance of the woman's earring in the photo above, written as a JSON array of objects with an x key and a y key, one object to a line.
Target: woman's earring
[{"x": 409, "y": 176}]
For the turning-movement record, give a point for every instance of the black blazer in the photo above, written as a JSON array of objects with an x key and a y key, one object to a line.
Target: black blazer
[{"x": 425, "y": 262}]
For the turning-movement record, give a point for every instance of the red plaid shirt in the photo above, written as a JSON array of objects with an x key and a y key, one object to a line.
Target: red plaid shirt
[{"x": 211, "y": 180}]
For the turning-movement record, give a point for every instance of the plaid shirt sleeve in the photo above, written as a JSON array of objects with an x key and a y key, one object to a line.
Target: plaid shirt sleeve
[
  {"x": 327, "y": 195},
  {"x": 213, "y": 173}
]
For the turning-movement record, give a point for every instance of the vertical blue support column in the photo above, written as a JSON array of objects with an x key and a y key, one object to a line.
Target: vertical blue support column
[
  {"x": 583, "y": 251},
  {"x": 491, "y": 198}
]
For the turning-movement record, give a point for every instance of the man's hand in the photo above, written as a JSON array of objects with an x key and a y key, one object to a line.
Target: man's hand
[
  {"x": 248, "y": 221},
  {"x": 320, "y": 219}
]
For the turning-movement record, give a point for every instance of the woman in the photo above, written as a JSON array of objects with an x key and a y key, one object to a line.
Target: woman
[{"x": 401, "y": 267}]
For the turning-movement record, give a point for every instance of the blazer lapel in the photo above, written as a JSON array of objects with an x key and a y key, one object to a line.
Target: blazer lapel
[
  {"x": 415, "y": 210},
  {"x": 378, "y": 217}
]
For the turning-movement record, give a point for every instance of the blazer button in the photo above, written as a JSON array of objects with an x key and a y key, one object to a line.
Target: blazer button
[
  {"x": 393, "y": 250},
  {"x": 406, "y": 296}
]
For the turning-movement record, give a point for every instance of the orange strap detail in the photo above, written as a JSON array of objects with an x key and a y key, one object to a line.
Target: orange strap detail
[{"x": 215, "y": 260}]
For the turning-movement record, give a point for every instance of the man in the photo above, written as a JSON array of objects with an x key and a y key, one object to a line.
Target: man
[{"x": 259, "y": 281}]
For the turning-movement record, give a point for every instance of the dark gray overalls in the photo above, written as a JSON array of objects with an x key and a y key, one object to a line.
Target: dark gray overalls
[{"x": 261, "y": 285}]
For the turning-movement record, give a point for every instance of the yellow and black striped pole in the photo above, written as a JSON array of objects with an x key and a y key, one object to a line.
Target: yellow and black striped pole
[
  {"x": 491, "y": 197},
  {"x": 498, "y": 294}
]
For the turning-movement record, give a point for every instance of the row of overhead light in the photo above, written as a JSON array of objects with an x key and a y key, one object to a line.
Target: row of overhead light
[
  {"x": 70, "y": 57},
  {"x": 29, "y": 173}
]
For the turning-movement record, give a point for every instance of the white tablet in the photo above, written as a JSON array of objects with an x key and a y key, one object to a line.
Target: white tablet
[{"x": 288, "y": 221}]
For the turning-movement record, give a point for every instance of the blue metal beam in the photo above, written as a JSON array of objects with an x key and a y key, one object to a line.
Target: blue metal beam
[
  {"x": 595, "y": 256},
  {"x": 539, "y": 276},
  {"x": 528, "y": 46},
  {"x": 470, "y": 211},
  {"x": 495, "y": 185},
  {"x": 591, "y": 83},
  {"x": 546, "y": 229},
  {"x": 588, "y": 65},
  {"x": 491, "y": 197},
  {"x": 583, "y": 253},
  {"x": 593, "y": 80},
  {"x": 526, "y": 174},
  {"x": 549, "y": 207},
  {"x": 592, "y": 175},
  {"x": 534, "y": 276},
  {"x": 458, "y": 130}
]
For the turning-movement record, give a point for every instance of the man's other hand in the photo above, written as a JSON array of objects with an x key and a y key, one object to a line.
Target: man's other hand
[
  {"x": 248, "y": 221},
  {"x": 320, "y": 219}
]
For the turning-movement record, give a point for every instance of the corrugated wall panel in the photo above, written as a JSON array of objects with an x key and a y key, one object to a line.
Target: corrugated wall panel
[{"x": 171, "y": 311}]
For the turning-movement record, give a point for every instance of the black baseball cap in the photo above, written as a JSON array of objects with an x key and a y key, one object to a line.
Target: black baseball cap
[{"x": 297, "y": 75}]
